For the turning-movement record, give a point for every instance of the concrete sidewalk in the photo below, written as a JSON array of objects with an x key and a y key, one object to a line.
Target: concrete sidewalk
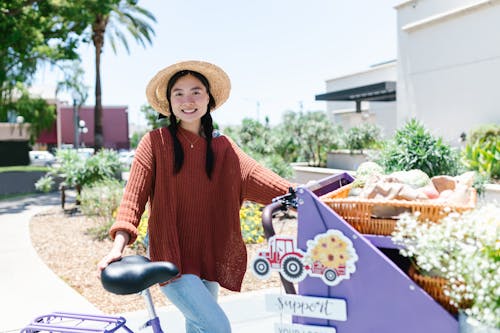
[
  {"x": 246, "y": 312},
  {"x": 28, "y": 288}
]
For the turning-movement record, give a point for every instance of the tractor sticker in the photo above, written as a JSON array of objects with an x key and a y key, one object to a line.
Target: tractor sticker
[{"x": 329, "y": 256}]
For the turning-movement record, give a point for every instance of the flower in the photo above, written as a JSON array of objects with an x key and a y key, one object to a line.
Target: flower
[
  {"x": 251, "y": 225},
  {"x": 464, "y": 248}
]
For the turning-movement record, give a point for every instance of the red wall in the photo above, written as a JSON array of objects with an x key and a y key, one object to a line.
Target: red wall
[{"x": 114, "y": 122}]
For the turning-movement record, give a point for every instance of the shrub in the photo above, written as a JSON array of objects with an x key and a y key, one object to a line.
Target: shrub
[
  {"x": 251, "y": 223},
  {"x": 105, "y": 164},
  {"x": 257, "y": 141},
  {"x": 45, "y": 184},
  {"x": 317, "y": 136},
  {"x": 414, "y": 147},
  {"x": 77, "y": 171},
  {"x": 101, "y": 232},
  {"x": 69, "y": 165},
  {"x": 482, "y": 151},
  {"x": 365, "y": 136},
  {"x": 101, "y": 200}
]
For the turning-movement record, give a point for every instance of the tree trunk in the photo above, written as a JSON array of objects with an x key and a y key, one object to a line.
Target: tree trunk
[
  {"x": 99, "y": 29},
  {"x": 98, "y": 132}
]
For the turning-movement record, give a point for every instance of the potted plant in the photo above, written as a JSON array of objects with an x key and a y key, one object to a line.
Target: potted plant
[{"x": 464, "y": 249}]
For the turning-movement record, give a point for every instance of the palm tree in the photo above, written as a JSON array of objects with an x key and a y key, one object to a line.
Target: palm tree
[{"x": 136, "y": 21}]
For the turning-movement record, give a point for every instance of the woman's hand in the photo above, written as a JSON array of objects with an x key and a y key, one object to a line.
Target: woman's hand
[
  {"x": 113, "y": 255},
  {"x": 121, "y": 240}
]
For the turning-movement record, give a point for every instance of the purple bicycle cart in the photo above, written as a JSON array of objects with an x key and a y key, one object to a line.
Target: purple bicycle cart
[{"x": 379, "y": 296}]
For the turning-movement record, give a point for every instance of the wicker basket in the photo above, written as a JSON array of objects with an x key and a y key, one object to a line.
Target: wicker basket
[
  {"x": 433, "y": 285},
  {"x": 360, "y": 212}
]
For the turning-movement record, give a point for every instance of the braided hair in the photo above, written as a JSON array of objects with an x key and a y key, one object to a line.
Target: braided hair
[{"x": 206, "y": 124}]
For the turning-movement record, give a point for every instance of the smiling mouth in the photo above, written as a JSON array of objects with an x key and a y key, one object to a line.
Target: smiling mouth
[{"x": 189, "y": 111}]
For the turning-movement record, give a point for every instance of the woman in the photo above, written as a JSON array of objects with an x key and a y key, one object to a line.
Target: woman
[{"x": 195, "y": 181}]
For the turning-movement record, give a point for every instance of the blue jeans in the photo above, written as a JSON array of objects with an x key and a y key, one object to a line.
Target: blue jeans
[{"x": 197, "y": 300}]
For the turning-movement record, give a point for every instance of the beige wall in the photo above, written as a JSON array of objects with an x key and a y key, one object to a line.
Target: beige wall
[
  {"x": 449, "y": 64},
  {"x": 14, "y": 132}
]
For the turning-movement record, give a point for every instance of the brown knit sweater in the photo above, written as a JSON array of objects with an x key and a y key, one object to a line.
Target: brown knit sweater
[{"x": 194, "y": 221}]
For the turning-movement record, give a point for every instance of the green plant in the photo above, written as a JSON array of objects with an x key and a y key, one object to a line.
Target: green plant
[
  {"x": 105, "y": 164},
  {"x": 75, "y": 171},
  {"x": 365, "y": 136},
  {"x": 306, "y": 137},
  {"x": 251, "y": 223},
  {"x": 257, "y": 141},
  {"x": 101, "y": 232},
  {"x": 45, "y": 184},
  {"x": 69, "y": 165},
  {"x": 101, "y": 198},
  {"x": 482, "y": 151},
  {"x": 414, "y": 147},
  {"x": 101, "y": 201},
  {"x": 464, "y": 249}
]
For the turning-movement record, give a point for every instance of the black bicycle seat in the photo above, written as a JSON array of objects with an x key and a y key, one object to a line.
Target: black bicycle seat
[{"x": 132, "y": 274}]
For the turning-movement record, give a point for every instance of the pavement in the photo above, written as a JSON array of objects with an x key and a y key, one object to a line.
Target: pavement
[{"x": 28, "y": 288}]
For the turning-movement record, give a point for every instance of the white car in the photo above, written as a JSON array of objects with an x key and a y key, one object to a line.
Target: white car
[
  {"x": 41, "y": 158},
  {"x": 126, "y": 157}
]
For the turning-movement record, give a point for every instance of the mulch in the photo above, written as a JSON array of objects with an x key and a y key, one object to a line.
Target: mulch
[{"x": 62, "y": 240}]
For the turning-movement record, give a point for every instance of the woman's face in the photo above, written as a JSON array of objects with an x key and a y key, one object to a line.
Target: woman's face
[{"x": 189, "y": 100}]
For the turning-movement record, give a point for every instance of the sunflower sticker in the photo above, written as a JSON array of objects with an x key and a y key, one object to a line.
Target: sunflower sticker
[{"x": 329, "y": 256}]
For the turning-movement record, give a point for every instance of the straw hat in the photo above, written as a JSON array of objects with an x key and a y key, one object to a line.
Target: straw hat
[{"x": 156, "y": 91}]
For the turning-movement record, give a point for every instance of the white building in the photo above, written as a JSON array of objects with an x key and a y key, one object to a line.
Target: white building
[
  {"x": 447, "y": 69},
  {"x": 366, "y": 96}
]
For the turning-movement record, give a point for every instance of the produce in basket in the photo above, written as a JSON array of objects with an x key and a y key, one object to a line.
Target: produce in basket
[{"x": 412, "y": 185}]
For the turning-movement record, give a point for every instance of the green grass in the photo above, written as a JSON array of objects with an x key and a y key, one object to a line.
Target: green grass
[
  {"x": 15, "y": 196},
  {"x": 24, "y": 168}
]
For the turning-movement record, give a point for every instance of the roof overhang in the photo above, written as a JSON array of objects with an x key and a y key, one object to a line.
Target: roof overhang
[{"x": 381, "y": 91}]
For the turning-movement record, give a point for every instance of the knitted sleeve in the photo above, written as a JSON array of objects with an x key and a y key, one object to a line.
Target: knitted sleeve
[
  {"x": 260, "y": 184},
  {"x": 137, "y": 191}
]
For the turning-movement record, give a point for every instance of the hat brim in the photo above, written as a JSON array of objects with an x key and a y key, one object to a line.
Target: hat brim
[{"x": 156, "y": 91}]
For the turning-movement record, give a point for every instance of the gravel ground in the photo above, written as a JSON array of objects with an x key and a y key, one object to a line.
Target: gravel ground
[{"x": 63, "y": 242}]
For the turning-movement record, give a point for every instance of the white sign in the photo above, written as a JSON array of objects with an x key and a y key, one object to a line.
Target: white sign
[
  {"x": 296, "y": 328},
  {"x": 307, "y": 306}
]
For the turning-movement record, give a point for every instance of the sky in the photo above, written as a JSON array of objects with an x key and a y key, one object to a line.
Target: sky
[{"x": 277, "y": 53}]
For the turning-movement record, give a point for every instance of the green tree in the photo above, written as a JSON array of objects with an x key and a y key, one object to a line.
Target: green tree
[
  {"x": 364, "y": 136},
  {"x": 255, "y": 137},
  {"x": 74, "y": 82},
  {"x": 135, "y": 139},
  {"x": 34, "y": 111},
  {"x": 151, "y": 117},
  {"x": 307, "y": 137},
  {"x": 109, "y": 18},
  {"x": 34, "y": 32},
  {"x": 256, "y": 140}
]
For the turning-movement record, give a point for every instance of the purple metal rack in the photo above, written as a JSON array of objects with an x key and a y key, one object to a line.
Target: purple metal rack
[
  {"x": 63, "y": 322},
  {"x": 380, "y": 297}
]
